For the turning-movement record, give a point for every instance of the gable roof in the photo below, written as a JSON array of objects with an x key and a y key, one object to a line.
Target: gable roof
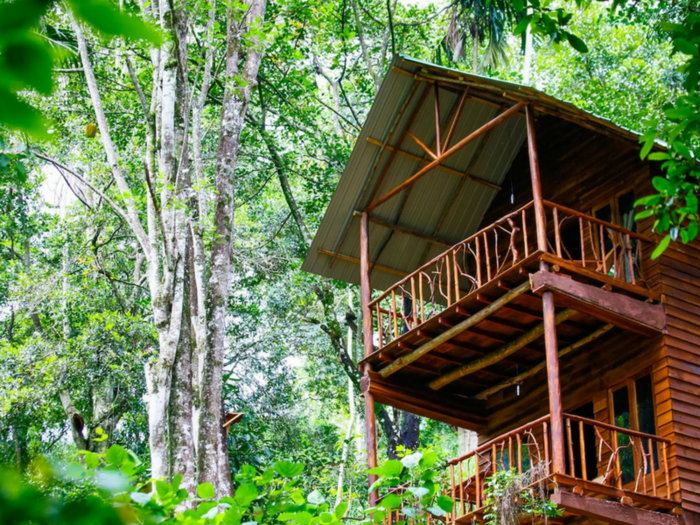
[{"x": 448, "y": 203}]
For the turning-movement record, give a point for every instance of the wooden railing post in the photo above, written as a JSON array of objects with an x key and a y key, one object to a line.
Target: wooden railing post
[
  {"x": 540, "y": 217},
  {"x": 552, "y": 358},
  {"x": 367, "y": 333}
]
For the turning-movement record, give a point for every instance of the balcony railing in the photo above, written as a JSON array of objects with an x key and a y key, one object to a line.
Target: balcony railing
[
  {"x": 606, "y": 460},
  {"x": 573, "y": 238}
]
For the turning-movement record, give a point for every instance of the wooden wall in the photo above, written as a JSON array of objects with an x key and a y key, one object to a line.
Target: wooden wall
[{"x": 583, "y": 170}]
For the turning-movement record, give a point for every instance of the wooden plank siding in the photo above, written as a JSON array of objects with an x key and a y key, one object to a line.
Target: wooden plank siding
[{"x": 584, "y": 171}]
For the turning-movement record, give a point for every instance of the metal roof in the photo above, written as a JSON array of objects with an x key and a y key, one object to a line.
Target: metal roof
[{"x": 441, "y": 205}]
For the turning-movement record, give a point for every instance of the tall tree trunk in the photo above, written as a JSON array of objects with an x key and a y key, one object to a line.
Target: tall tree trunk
[{"x": 212, "y": 450}]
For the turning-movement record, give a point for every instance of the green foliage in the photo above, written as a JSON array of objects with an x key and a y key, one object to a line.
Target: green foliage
[
  {"x": 510, "y": 497},
  {"x": 675, "y": 205},
  {"x": 27, "y": 57},
  {"x": 414, "y": 485}
]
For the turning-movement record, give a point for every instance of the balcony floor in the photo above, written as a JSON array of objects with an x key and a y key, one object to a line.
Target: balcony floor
[{"x": 511, "y": 329}]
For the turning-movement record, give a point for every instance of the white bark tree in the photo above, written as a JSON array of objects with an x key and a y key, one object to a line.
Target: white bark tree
[{"x": 189, "y": 280}]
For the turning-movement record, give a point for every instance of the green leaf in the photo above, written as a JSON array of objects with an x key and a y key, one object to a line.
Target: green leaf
[
  {"x": 578, "y": 44},
  {"x": 19, "y": 115},
  {"x": 429, "y": 459},
  {"x": 287, "y": 469},
  {"x": 110, "y": 21},
  {"x": 28, "y": 63},
  {"x": 315, "y": 498},
  {"x": 340, "y": 510},
  {"x": 445, "y": 503},
  {"x": 436, "y": 511},
  {"x": 646, "y": 148},
  {"x": 418, "y": 492},
  {"x": 661, "y": 184},
  {"x": 391, "y": 501},
  {"x": 206, "y": 490},
  {"x": 246, "y": 494},
  {"x": 412, "y": 460},
  {"x": 685, "y": 47},
  {"x": 141, "y": 497},
  {"x": 522, "y": 25},
  {"x": 92, "y": 460},
  {"x": 661, "y": 247},
  {"x": 326, "y": 517},
  {"x": 302, "y": 518},
  {"x": 644, "y": 214},
  {"x": 116, "y": 455},
  {"x": 659, "y": 155}
]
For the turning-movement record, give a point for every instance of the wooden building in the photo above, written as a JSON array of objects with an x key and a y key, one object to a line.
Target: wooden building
[{"x": 507, "y": 289}]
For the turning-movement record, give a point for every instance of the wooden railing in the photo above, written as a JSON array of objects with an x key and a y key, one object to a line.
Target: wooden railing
[
  {"x": 594, "y": 244},
  {"x": 604, "y": 457},
  {"x": 459, "y": 271},
  {"x": 573, "y": 237},
  {"x": 622, "y": 458},
  {"x": 522, "y": 449}
]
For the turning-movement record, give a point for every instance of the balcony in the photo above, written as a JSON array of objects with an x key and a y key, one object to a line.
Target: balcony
[
  {"x": 577, "y": 245},
  {"x": 603, "y": 461}
]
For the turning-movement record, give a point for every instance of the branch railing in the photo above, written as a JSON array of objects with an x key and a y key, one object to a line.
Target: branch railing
[
  {"x": 573, "y": 237},
  {"x": 596, "y": 452},
  {"x": 521, "y": 449},
  {"x": 457, "y": 272},
  {"x": 595, "y": 244},
  {"x": 622, "y": 458}
]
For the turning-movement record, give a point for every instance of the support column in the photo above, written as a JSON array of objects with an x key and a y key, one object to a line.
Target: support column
[
  {"x": 552, "y": 357},
  {"x": 367, "y": 334},
  {"x": 371, "y": 434},
  {"x": 540, "y": 215}
]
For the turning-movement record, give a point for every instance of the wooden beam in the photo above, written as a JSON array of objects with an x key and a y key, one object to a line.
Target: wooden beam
[
  {"x": 423, "y": 402},
  {"x": 497, "y": 355},
  {"x": 615, "y": 308},
  {"x": 554, "y": 388},
  {"x": 458, "y": 329},
  {"x": 357, "y": 261},
  {"x": 445, "y": 155},
  {"x": 409, "y": 231},
  {"x": 371, "y": 443},
  {"x": 421, "y": 144},
  {"x": 540, "y": 217},
  {"x": 365, "y": 285},
  {"x": 612, "y": 512},
  {"x": 532, "y": 371},
  {"x": 447, "y": 169}
]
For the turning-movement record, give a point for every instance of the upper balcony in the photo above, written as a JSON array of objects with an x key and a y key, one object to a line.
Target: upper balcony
[{"x": 461, "y": 280}]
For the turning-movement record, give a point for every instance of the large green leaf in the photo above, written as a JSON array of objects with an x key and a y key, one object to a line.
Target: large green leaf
[
  {"x": 110, "y": 21},
  {"x": 287, "y": 469},
  {"x": 246, "y": 494},
  {"x": 205, "y": 490}
]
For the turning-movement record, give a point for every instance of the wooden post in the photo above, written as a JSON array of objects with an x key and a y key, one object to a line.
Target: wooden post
[
  {"x": 552, "y": 356},
  {"x": 540, "y": 216},
  {"x": 365, "y": 287},
  {"x": 367, "y": 334},
  {"x": 371, "y": 434}
]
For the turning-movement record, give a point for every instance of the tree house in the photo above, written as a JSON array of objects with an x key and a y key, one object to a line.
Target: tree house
[{"x": 507, "y": 289}]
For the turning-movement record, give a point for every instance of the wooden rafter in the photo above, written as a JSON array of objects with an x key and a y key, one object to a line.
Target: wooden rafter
[
  {"x": 447, "y": 169},
  {"x": 446, "y": 154},
  {"x": 408, "y": 231},
  {"x": 532, "y": 371},
  {"x": 452, "y": 332},
  {"x": 355, "y": 260},
  {"x": 497, "y": 355}
]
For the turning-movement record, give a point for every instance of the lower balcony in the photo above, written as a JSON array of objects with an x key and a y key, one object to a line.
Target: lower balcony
[{"x": 609, "y": 470}]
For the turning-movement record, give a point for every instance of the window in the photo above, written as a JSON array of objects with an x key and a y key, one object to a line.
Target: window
[
  {"x": 632, "y": 407},
  {"x": 620, "y": 211}
]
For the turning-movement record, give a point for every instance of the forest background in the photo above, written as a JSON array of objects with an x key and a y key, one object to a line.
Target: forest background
[{"x": 136, "y": 137}]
